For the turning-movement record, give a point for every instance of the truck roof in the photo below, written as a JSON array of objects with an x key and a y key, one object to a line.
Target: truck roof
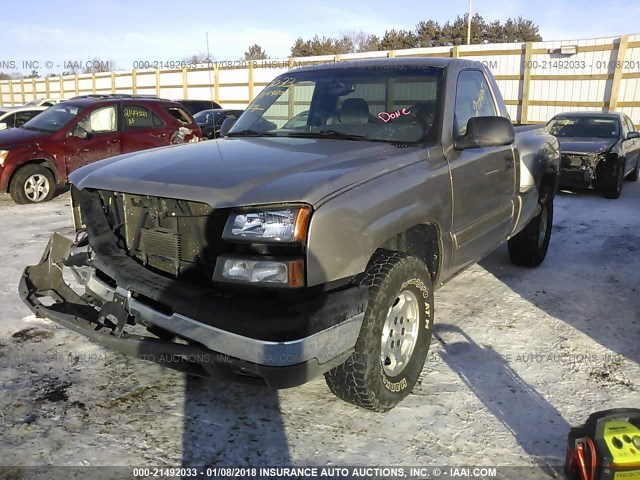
[
  {"x": 590, "y": 114},
  {"x": 437, "y": 62}
]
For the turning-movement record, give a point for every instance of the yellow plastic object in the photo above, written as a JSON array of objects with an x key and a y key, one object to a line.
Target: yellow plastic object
[{"x": 623, "y": 441}]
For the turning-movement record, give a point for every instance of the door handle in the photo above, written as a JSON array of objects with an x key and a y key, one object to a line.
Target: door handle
[
  {"x": 113, "y": 141},
  {"x": 509, "y": 162}
]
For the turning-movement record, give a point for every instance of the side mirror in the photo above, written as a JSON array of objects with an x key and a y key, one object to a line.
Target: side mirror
[
  {"x": 486, "y": 132},
  {"x": 630, "y": 135},
  {"x": 226, "y": 126},
  {"x": 80, "y": 132},
  {"x": 3, "y": 126}
]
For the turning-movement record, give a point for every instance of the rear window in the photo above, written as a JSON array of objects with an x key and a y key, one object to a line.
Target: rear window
[{"x": 179, "y": 114}]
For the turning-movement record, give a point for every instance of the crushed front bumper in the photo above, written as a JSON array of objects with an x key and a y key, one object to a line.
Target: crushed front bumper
[
  {"x": 580, "y": 170},
  {"x": 113, "y": 314}
]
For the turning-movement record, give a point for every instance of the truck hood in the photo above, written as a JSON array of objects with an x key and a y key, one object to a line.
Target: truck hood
[
  {"x": 247, "y": 171},
  {"x": 14, "y": 137},
  {"x": 586, "y": 145}
]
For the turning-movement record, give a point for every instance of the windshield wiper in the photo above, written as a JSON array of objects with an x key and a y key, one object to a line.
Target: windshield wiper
[
  {"x": 250, "y": 133},
  {"x": 328, "y": 134}
]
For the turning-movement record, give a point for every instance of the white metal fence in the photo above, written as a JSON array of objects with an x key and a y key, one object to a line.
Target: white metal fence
[{"x": 537, "y": 80}]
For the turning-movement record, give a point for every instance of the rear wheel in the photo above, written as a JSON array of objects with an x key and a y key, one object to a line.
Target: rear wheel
[
  {"x": 395, "y": 335},
  {"x": 32, "y": 184},
  {"x": 529, "y": 247},
  {"x": 613, "y": 180}
]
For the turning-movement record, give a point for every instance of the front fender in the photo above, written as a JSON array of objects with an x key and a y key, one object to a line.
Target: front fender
[{"x": 345, "y": 231}]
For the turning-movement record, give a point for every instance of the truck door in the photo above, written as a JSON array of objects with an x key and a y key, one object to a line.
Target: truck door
[
  {"x": 483, "y": 179},
  {"x": 93, "y": 138}
]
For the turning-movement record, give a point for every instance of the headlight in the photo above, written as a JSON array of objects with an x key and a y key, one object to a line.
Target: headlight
[
  {"x": 3, "y": 155},
  {"x": 271, "y": 225},
  {"x": 283, "y": 273}
]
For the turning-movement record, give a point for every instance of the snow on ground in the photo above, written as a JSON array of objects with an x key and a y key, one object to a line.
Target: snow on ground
[{"x": 518, "y": 357}]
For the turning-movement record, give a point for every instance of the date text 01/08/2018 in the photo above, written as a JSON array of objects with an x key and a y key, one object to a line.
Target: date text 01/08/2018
[{"x": 582, "y": 64}]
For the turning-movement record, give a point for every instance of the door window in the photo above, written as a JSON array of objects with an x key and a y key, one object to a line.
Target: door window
[
  {"x": 628, "y": 124},
  {"x": 473, "y": 99},
  {"x": 102, "y": 120}
]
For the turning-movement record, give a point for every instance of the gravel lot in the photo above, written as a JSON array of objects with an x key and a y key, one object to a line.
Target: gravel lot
[{"x": 518, "y": 356}]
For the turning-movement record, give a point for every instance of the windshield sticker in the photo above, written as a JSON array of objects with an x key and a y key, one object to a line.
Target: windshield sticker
[
  {"x": 386, "y": 116},
  {"x": 270, "y": 93},
  {"x": 285, "y": 82}
]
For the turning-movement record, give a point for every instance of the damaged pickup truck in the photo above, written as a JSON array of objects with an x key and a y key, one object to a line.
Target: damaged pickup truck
[{"x": 292, "y": 249}]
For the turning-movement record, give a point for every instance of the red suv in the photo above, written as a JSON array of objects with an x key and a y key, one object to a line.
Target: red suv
[{"x": 40, "y": 154}]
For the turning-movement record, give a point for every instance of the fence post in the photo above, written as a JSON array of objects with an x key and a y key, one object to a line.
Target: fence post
[
  {"x": 22, "y": 91},
  {"x": 185, "y": 86},
  {"x": 61, "y": 86},
  {"x": 77, "y": 85},
  {"x": 216, "y": 81},
  {"x": 391, "y": 54},
  {"x": 157, "y": 82},
  {"x": 617, "y": 73},
  {"x": 93, "y": 83},
  {"x": 11, "y": 92},
  {"x": 47, "y": 87},
  {"x": 291, "y": 107},
  {"x": 455, "y": 52},
  {"x": 526, "y": 81},
  {"x": 251, "y": 83},
  {"x": 34, "y": 89},
  {"x": 134, "y": 82},
  {"x": 113, "y": 83}
]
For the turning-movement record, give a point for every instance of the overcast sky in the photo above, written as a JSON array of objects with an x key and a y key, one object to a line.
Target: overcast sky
[{"x": 163, "y": 30}]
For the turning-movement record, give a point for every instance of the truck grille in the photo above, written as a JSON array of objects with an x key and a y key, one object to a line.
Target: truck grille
[
  {"x": 161, "y": 243},
  {"x": 168, "y": 235}
]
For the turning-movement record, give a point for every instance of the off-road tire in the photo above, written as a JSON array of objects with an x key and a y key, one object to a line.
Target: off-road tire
[
  {"x": 24, "y": 175},
  {"x": 633, "y": 177},
  {"x": 529, "y": 247},
  {"x": 362, "y": 379},
  {"x": 613, "y": 180}
]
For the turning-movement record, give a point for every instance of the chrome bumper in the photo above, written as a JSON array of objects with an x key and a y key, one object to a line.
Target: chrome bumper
[{"x": 314, "y": 354}]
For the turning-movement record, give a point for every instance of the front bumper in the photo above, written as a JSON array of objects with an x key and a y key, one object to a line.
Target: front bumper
[
  {"x": 580, "y": 170},
  {"x": 309, "y": 339}
]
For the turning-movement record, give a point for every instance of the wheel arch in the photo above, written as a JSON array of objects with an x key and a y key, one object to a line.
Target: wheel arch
[
  {"x": 421, "y": 241},
  {"x": 39, "y": 161}
]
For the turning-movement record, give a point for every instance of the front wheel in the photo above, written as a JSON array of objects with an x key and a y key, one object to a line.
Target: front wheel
[
  {"x": 395, "y": 335},
  {"x": 32, "y": 184},
  {"x": 613, "y": 180},
  {"x": 529, "y": 247}
]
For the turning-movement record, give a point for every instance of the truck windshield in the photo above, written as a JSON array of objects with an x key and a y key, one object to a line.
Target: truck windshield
[
  {"x": 583, "y": 127},
  {"x": 54, "y": 118},
  {"x": 396, "y": 104}
]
